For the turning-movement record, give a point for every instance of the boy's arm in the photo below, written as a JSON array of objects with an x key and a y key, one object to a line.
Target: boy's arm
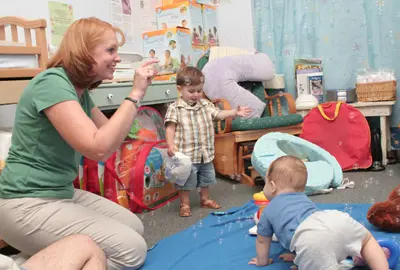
[
  {"x": 170, "y": 133},
  {"x": 262, "y": 248},
  {"x": 226, "y": 114}
]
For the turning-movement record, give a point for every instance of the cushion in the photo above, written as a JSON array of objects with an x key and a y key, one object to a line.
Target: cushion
[
  {"x": 239, "y": 124},
  {"x": 323, "y": 169},
  {"x": 223, "y": 74}
]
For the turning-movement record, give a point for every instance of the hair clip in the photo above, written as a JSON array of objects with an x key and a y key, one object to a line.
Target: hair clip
[{"x": 188, "y": 81}]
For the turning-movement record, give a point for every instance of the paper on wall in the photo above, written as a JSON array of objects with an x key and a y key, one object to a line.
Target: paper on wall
[
  {"x": 121, "y": 16},
  {"x": 61, "y": 16},
  {"x": 148, "y": 14}
]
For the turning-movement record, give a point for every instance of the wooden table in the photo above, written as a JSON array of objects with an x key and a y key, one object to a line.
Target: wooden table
[{"x": 381, "y": 109}]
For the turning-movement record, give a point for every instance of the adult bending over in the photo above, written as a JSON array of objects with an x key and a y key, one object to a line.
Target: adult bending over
[{"x": 56, "y": 120}]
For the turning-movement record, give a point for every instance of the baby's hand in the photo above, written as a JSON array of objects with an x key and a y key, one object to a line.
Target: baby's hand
[
  {"x": 254, "y": 261},
  {"x": 243, "y": 111},
  {"x": 287, "y": 257}
]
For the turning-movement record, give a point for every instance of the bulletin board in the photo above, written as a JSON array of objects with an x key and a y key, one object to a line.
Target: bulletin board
[{"x": 102, "y": 9}]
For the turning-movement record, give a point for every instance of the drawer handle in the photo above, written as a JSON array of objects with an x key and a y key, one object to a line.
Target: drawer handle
[
  {"x": 167, "y": 92},
  {"x": 110, "y": 96}
]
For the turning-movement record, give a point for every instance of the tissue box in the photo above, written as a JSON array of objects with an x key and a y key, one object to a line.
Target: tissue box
[
  {"x": 171, "y": 46},
  {"x": 210, "y": 25},
  {"x": 186, "y": 14}
]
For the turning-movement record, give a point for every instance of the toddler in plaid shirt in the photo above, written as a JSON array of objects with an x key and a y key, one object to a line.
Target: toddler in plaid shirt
[{"x": 190, "y": 130}]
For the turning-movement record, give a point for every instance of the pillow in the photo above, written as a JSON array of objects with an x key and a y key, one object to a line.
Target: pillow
[{"x": 223, "y": 74}]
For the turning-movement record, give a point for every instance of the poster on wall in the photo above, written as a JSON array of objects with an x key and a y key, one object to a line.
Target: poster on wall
[
  {"x": 148, "y": 14},
  {"x": 61, "y": 16},
  {"x": 121, "y": 16}
]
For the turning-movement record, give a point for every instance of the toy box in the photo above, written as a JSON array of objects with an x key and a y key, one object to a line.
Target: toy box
[
  {"x": 186, "y": 14},
  {"x": 169, "y": 2},
  {"x": 171, "y": 46},
  {"x": 210, "y": 25},
  {"x": 207, "y": 2},
  {"x": 197, "y": 52}
]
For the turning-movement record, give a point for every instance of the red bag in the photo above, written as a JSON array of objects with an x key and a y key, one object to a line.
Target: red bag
[{"x": 341, "y": 130}]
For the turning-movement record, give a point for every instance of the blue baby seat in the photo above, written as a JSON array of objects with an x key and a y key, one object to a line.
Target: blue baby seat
[{"x": 323, "y": 169}]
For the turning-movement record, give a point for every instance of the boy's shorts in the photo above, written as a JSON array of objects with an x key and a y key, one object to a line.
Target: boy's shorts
[
  {"x": 201, "y": 175},
  {"x": 326, "y": 238}
]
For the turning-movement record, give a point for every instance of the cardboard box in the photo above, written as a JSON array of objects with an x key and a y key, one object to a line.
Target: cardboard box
[
  {"x": 210, "y": 25},
  {"x": 186, "y": 14},
  {"x": 171, "y": 46}
]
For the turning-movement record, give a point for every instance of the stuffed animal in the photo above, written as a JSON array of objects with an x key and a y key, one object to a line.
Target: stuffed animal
[{"x": 386, "y": 215}]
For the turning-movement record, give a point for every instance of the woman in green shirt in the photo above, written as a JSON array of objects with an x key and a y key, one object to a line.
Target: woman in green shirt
[{"x": 56, "y": 121}]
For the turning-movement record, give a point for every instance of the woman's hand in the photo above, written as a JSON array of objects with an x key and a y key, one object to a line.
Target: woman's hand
[{"x": 142, "y": 79}]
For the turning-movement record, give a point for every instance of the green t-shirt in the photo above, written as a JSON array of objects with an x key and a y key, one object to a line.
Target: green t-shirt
[{"x": 40, "y": 162}]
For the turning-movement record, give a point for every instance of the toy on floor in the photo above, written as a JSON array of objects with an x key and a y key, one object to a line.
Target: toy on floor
[
  {"x": 386, "y": 215},
  {"x": 261, "y": 201},
  {"x": 392, "y": 252}
]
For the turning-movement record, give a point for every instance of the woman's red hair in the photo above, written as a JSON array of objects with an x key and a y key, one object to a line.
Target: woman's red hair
[{"x": 75, "y": 51}]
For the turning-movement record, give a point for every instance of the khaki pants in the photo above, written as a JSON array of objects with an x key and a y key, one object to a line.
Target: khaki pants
[{"x": 31, "y": 224}]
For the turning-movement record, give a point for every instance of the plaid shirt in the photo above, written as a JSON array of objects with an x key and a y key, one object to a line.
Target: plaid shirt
[{"x": 194, "y": 132}]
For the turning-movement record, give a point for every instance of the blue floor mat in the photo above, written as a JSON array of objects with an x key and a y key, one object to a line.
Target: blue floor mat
[{"x": 223, "y": 242}]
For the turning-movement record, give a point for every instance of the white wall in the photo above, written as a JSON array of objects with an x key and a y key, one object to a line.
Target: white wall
[{"x": 235, "y": 22}]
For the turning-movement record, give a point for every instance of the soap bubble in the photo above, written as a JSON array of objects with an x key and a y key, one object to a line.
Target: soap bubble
[
  {"x": 220, "y": 241},
  {"x": 152, "y": 213},
  {"x": 366, "y": 184},
  {"x": 223, "y": 158},
  {"x": 195, "y": 235},
  {"x": 233, "y": 187},
  {"x": 372, "y": 200},
  {"x": 356, "y": 166},
  {"x": 390, "y": 173},
  {"x": 340, "y": 143},
  {"x": 200, "y": 224},
  {"x": 168, "y": 204}
]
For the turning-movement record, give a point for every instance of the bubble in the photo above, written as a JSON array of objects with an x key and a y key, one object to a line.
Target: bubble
[
  {"x": 152, "y": 213},
  {"x": 220, "y": 241},
  {"x": 397, "y": 207},
  {"x": 168, "y": 204},
  {"x": 195, "y": 235},
  {"x": 198, "y": 189},
  {"x": 366, "y": 184},
  {"x": 372, "y": 200},
  {"x": 340, "y": 143},
  {"x": 219, "y": 220},
  {"x": 223, "y": 158},
  {"x": 356, "y": 166},
  {"x": 200, "y": 224},
  {"x": 233, "y": 187},
  {"x": 390, "y": 173},
  {"x": 221, "y": 232},
  {"x": 398, "y": 191}
]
